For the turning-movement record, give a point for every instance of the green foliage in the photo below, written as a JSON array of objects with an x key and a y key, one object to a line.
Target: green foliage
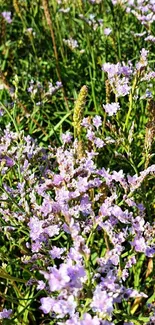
[{"x": 30, "y": 56}]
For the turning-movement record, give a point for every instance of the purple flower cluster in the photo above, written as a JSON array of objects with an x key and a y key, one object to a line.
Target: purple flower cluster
[
  {"x": 53, "y": 89},
  {"x": 119, "y": 77},
  {"x": 36, "y": 88},
  {"x": 112, "y": 108},
  {"x": 59, "y": 198},
  {"x": 122, "y": 79},
  {"x": 5, "y": 313},
  {"x": 143, "y": 10},
  {"x": 7, "y": 16}
]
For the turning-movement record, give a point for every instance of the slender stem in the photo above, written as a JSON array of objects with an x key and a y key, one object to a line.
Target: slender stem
[
  {"x": 130, "y": 103},
  {"x": 92, "y": 75},
  {"x": 12, "y": 119},
  {"x": 119, "y": 47},
  {"x": 104, "y": 121},
  {"x": 129, "y": 112}
]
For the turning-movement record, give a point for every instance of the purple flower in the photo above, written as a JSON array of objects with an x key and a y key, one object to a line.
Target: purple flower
[
  {"x": 30, "y": 30},
  {"x": 125, "y": 274},
  {"x": 82, "y": 184},
  {"x": 66, "y": 137},
  {"x": 52, "y": 230},
  {"x": 7, "y": 16},
  {"x": 77, "y": 275},
  {"x": 59, "y": 306},
  {"x": 90, "y": 135},
  {"x": 138, "y": 224},
  {"x": 57, "y": 279},
  {"x": 122, "y": 87},
  {"x": 67, "y": 276},
  {"x": 5, "y": 313},
  {"x": 111, "y": 69},
  {"x": 118, "y": 76},
  {"x": 85, "y": 205},
  {"x": 109, "y": 282},
  {"x": 131, "y": 261},
  {"x": 30, "y": 89},
  {"x": 59, "y": 84},
  {"x": 86, "y": 122},
  {"x": 143, "y": 59},
  {"x": 97, "y": 121},
  {"x": 112, "y": 108},
  {"x": 52, "y": 89},
  {"x": 46, "y": 207},
  {"x": 99, "y": 143},
  {"x": 127, "y": 70},
  {"x": 139, "y": 244},
  {"x": 132, "y": 293},
  {"x": 150, "y": 38},
  {"x": 35, "y": 227},
  {"x": 41, "y": 285},
  {"x": 150, "y": 251},
  {"x": 35, "y": 247},
  {"x": 56, "y": 252},
  {"x": 46, "y": 304},
  {"x": 89, "y": 320},
  {"x": 8, "y": 161},
  {"x": 107, "y": 31},
  {"x": 63, "y": 307},
  {"x": 102, "y": 302}
]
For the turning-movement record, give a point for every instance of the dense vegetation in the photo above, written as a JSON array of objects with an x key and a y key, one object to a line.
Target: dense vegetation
[{"x": 77, "y": 162}]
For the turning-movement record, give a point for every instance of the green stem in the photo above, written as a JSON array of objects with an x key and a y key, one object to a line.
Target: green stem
[
  {"x": 119, "y": 47},
  {"x": 138, "y": 269},
  {"x": 13, "y": 121},
  {"x": 104, "y": 121},
  {"x": 130, "y": 103},
  {"x": 129, "y": 111},
  {"x": 21, "y": 209}
]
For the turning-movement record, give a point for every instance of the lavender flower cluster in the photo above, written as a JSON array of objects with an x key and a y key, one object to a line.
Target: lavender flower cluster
[
  {"x": 143, "y": 10},
  {"x": 86, "y": 230},
  {"x": 122, "y": 78}
]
